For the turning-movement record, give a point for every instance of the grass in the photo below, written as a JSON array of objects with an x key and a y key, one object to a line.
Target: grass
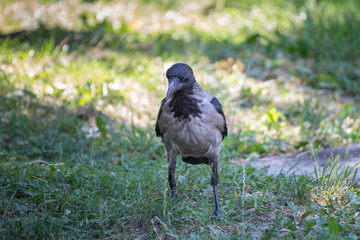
[{"x": 79, "y": 156}]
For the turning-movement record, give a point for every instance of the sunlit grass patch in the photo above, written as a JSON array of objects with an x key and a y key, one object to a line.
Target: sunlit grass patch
[{"x": 333, "y": 184}]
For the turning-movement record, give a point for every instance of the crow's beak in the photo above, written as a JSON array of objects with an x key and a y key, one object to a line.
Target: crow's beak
[{"x": 174, "y": 85}]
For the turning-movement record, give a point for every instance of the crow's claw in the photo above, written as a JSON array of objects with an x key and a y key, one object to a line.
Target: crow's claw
[
  {"x": 173, "y": 194},
  {"x": 216, "y": 213}
]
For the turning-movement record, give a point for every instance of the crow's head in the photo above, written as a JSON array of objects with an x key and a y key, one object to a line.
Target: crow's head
[{"x": 180, "y": 76}]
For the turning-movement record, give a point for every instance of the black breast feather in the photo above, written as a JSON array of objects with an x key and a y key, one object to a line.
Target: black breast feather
[{"x": 184, "y": 104}]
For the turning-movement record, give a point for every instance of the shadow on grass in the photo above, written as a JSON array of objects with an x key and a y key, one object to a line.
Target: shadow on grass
[
  {"x": 30, "y": 129},
  {"x": 33, "y": 129}
]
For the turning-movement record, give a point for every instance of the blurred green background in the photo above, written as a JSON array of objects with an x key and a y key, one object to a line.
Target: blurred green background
[
  {"x": 297, "y": 61},
  {"x": 81, "y": 83}
]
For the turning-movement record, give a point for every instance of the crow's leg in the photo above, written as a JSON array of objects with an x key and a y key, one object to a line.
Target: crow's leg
[
  {"x": 214, "y": 182},
  {"x": 171, "y": 172}
]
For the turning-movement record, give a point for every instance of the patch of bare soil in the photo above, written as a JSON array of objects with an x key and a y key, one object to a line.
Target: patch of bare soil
[{"x": 348, "y": 156}]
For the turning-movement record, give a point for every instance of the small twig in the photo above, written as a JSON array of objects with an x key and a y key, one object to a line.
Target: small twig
[{"x": 64, "y": 41}]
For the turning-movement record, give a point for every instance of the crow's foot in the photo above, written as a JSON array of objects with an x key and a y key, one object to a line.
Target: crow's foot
[
  {"x": 216, "y": 213},
  {"x": 173, "y": 194}
]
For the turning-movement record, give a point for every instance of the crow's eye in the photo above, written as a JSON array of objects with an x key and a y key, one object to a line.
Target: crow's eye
[{"x": 186, "y": 78}]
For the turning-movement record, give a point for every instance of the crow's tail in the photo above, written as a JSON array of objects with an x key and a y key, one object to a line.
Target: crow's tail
[{"x": 196, "y": 160}]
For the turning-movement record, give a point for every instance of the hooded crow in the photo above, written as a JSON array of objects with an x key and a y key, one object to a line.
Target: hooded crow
[{"x": 192, "y": 124}]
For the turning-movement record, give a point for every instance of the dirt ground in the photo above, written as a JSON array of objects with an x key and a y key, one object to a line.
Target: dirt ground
[{"x": 348, "y": 156}]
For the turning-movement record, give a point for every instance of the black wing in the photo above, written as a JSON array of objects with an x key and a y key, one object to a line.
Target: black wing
[
  {"x": 157, "y": 128},
  {"x": 215, "y": 102}
]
